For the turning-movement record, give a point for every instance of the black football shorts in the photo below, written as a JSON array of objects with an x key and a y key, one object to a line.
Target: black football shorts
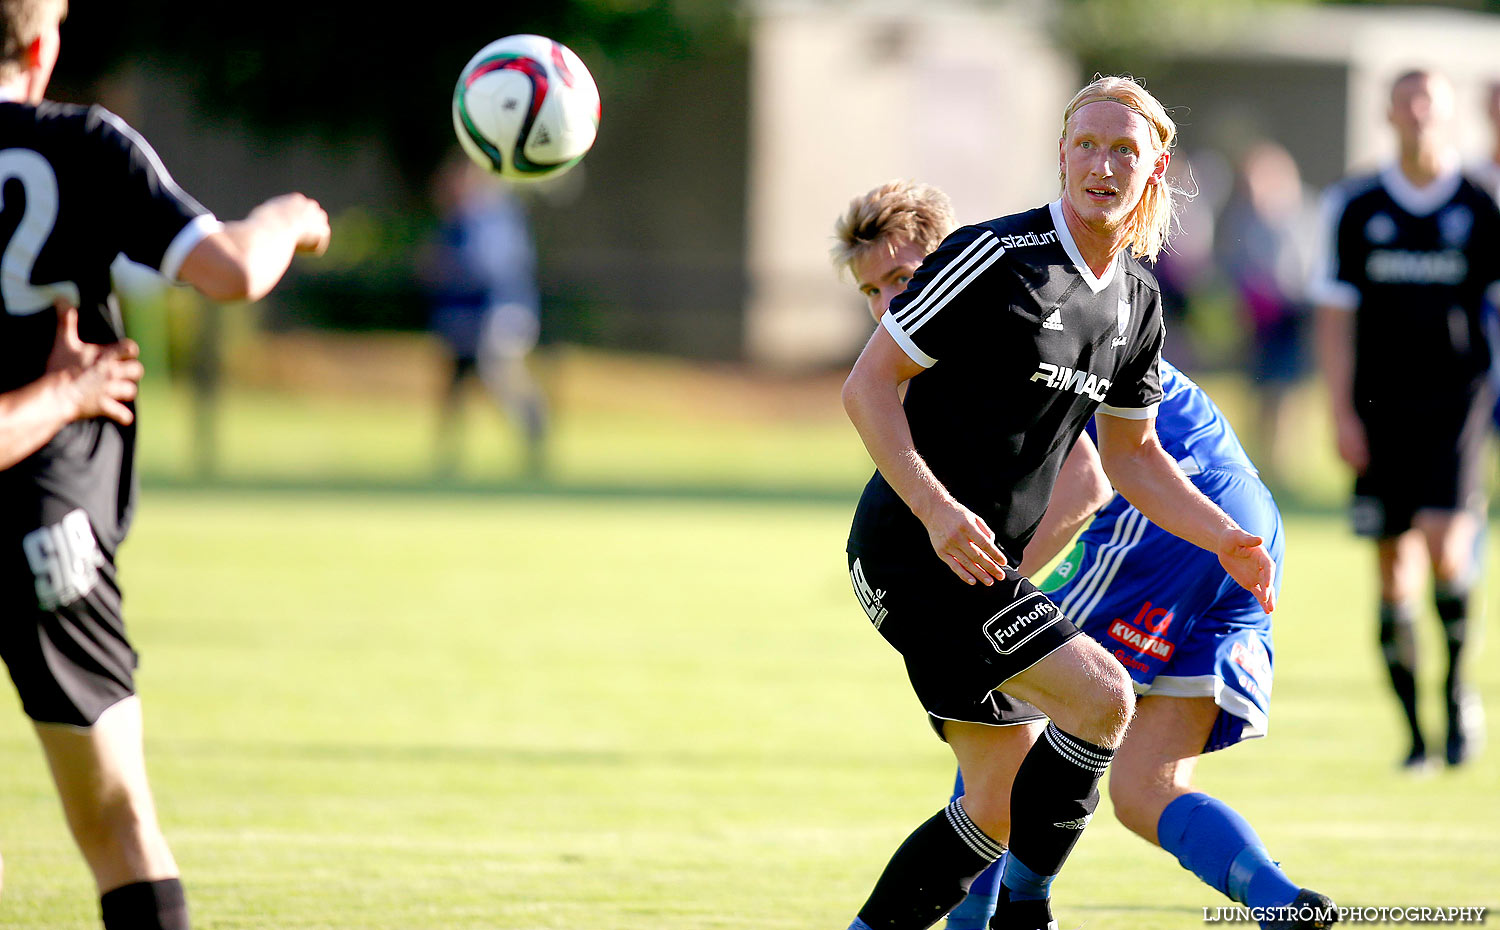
[
  {"x": 1427, "y": 460},
  {"x": 961, "y": 642},
  {"x": 62, "y": 635}
]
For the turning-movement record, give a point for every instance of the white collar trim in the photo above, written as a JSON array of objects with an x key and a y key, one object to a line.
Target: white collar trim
[
  {"x": 1420, "y": 201},
  {"x": 1065, "y": 237}
]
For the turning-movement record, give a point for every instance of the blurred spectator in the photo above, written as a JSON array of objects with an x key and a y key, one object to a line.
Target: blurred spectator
[
  {"x": 480, "y": 275},
  {"x": 1186, "y": 269},
  {"x": 1487, "y": 171},
  {"x": 1263, "y": 241}
]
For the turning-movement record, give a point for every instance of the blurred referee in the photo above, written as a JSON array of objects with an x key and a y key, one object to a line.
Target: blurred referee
[
  {"x": 1011, "y": 335},
  {"x": 81, "y": 187},
  {"x": 1410, "y": 253}
]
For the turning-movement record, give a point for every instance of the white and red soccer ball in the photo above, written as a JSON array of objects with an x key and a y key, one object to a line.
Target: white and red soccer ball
[{"x": 526, "y": 108}]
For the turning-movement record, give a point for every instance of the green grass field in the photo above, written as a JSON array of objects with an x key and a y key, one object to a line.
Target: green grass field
[{"x": 422, "y": 710}]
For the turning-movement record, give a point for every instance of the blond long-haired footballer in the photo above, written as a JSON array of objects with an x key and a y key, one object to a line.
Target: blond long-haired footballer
[
  {"x": 1008, "y": 337},
  {"x": 1186, "y": 706}
]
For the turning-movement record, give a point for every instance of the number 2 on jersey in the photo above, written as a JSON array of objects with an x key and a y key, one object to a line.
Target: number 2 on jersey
[{"x": 22, "y": 298}]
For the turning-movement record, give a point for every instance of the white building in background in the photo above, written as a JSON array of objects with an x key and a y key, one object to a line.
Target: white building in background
[
  {"x": 967, "y": 96},
  {"x": 845, "y": 96}
]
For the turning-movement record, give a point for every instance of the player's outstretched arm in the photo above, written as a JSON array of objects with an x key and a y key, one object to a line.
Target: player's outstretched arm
[
  {"x": 1142, "y": 471},
  {"x": 872, "y": 398},
  {"x": 1081, "y": 489},
  {"x": 246, "y": 259},
  {"x": 82, "y": 381}
]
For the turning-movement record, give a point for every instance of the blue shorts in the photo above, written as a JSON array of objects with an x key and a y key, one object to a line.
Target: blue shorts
[{"x": 1168, "y": 611}]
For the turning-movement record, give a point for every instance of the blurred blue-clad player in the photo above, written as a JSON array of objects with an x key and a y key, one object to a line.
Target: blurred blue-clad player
[{"x": 1197, "y": 645}]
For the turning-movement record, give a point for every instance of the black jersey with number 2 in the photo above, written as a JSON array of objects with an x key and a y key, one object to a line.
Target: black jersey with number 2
[
  {"x": 79, "y": 187},
  {"x": 1022, "y": 344}
]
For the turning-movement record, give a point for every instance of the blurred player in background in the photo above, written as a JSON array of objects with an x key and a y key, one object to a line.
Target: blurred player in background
[
  {"x": 1188, "y": 635},
  {"x": 1043, "y": 310},
  {"x": 1487, "y": 171},
  {"x": 1410, "y": 252},
  {"x": 80, "y": 188},
  {"x": 480, "y": 273},
  {"x": 1263, "y": 247}
]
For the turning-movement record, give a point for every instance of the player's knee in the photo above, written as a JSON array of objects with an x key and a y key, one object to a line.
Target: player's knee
[
  {"x": 990, "y": 812},
  {"x": 1136, "y": 803},
  {"x": 1121, "y": 704},
  {"x": 1125, "y": 801},
  {"x": 1112, "y": 706}
]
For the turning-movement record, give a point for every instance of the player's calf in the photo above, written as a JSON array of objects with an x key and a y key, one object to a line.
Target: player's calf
[
  {"x": 929, "y": 873},
  {"x": 1398, "y": 646},
  {"x": 1451, "y": 598}
]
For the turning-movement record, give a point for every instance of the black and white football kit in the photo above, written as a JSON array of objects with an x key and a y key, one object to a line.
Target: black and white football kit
[
  {"x": 80, "y": 187},
  {"x": 1022, "y": 344},
  {"x": 1413, "y": 265}
]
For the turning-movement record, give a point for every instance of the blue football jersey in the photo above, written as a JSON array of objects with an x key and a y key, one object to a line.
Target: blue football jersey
[{"x": 1191, "y": 427}]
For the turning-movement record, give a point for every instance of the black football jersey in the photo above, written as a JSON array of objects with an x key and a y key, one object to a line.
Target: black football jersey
[
  {"x": 1413, "y": 265},
  {"x": 1022, "y": 344},
  {"x": 79, "y": 188}
]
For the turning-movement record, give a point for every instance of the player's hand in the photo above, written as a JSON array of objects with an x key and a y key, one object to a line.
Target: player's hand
[
  {"x": 1354, "y": 448},
  {"x": 306, "y": 216},
  {"x": 97, "y": 380},
  {"x": 1245, "y": 558},
  {"x": 965, "y": 543}
]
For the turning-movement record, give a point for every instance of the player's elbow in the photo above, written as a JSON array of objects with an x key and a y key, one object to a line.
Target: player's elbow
[
  {"x": 851, "y": 394},
  {"x": 1097, "y": 490},
  {"x": 227, "y": 284},
  {"x": 1136, "y": 472},
  {"x": 1085, "y": 477},
  {"x": 219, "y": 269}
]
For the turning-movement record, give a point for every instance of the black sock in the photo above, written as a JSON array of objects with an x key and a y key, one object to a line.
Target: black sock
[
  {"x": 1053, "y": 798},
  {"x": 930, "y": 873},
  {"x": 158, "y": 905},
  {"x": 1453, "y": 609},
  {"x": 1398, "y": 644}
]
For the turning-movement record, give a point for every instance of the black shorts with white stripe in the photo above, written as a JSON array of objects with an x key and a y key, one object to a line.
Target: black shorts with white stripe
[
  {"x": 960, "y": 642},
  {"x": 63, "y": 635}
]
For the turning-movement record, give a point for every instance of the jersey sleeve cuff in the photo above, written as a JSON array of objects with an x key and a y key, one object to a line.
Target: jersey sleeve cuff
[
  {"x": 1130, "y": 413},
  {"x": 198, "y": 228},
  {"x": 1340, "y": 295},
  {"x": 904, "y": 341}
]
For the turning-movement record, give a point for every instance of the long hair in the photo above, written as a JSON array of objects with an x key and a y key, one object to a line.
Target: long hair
[
  {"x": 1154, "y": 218},
  {"x": 895, "y": 211}
]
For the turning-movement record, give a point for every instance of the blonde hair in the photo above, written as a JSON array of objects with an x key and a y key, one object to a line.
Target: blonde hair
[
  {"x": 1154, "y": 218},
  {"x": 896, "y": 210}
]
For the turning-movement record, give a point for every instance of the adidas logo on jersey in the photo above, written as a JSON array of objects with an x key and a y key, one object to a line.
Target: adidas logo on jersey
[
  {"x": 1029, "y": 238},
  {"x": 1054, "y": 321},
  {"x": 1070, "y": 380}
]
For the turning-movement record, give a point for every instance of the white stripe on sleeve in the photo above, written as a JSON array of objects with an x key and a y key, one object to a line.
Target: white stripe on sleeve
[
  {"x": 197, "y": 229},
  {"x": 904, "y": 341},
  {"x": 1323, "y": 286}
]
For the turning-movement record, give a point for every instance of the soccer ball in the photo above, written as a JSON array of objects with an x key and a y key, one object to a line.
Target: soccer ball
[{"x": 526, "y": 108}]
